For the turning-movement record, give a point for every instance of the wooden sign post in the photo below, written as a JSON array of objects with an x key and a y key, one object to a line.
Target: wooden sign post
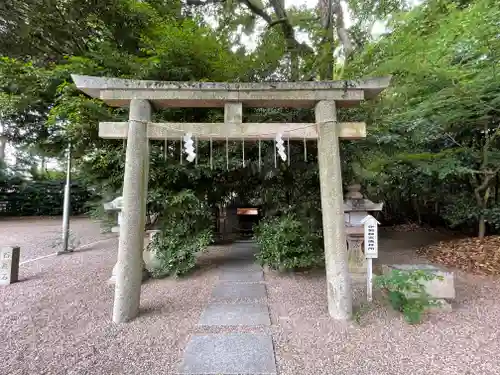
[
  {"x": 9, "y": 264},
  {"x": 371, "y": 250}
]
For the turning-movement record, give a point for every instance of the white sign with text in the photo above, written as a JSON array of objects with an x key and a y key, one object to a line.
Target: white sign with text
[
  {"x": 371, "y": 251},
  {"x": 371, "y": 236}
]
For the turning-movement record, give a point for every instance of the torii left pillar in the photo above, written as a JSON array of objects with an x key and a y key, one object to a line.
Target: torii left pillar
[{"x": 130, "y": 263}]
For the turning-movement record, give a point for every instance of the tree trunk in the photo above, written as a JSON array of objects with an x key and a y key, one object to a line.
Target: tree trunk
[
  {"x": 497, "y": 184},
  {"x": 416, "y": 207},
  {"x": 482, "y": 227},
  {"x": 43, "y": 169},
  {"x": 3, "y": 144},
  {"x": 294, "y": 66}
]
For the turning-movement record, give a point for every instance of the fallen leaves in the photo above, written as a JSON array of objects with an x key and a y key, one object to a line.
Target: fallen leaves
[
  {"x": 481, "y": 256},
  {"x": 410, "y": 227}
]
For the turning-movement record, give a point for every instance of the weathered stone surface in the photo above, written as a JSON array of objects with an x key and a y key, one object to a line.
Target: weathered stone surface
[
  {"x": 129, "y": 266},
  {"x": 242, "y": 276},
  {"x": 118, "y": 92},
  {"x": 234, "y": 291},
  {"x": 9, "y": 264},
  {"x": 239, "y": 353},
  {"x": 240, "y": 314},
  {"x": 92, "y": 84},
  {"x": 221, "y": 131},
  {"x": 151, "y": 261},
  {"x": 332, "y": 206},
  {"x": 240, "y": 266},
  {"x": 355, "y": 255},
  {"x": 440, "y": 289},
  {"x": 442, "y": 307},
  {"x": 114, "y": 271},
  {"x": 233, "y": 113}
]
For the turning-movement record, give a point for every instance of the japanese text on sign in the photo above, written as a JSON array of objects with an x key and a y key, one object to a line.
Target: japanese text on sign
[{"x": 371, "y": 246}]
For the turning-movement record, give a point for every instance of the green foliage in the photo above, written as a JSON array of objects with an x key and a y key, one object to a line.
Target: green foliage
[
  {"x": 361, "y": 310},
  {"x": 406, "y": 293},
  {"x": 286, "y": 243},
  {"x": 433, "y": 150},
  {"x": 185, "y": 231},
  {"x": 40, "y": 198}
]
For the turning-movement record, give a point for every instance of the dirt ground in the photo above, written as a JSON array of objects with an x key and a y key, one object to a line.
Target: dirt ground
[{"x": 56, "y": 320}]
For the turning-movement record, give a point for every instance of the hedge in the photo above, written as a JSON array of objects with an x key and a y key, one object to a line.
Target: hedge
[{"x": 19, "y": 197}]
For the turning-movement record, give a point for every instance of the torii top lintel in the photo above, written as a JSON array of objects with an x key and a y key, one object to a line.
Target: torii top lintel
[{"x": 118, "y": 92}]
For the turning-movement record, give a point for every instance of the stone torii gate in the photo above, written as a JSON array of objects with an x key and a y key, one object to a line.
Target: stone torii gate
[{"x": 142, "y": 96}]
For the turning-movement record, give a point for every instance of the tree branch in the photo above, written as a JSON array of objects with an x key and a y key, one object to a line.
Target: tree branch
[
  {"x": 258, "y": 11},
  {"x": 275, "y": 22},
  {"x": 341, "y": 29},
  {"x": 206, "y": 2}
]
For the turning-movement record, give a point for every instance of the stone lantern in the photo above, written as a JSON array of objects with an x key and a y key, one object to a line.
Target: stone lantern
[
  {"x": 356, "y": 207},
  {"x": 115, "y": 205}
]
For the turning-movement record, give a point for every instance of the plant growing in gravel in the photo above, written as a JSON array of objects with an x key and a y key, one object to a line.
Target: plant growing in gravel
[
  {"x": 185, "y": 231},
  {"x": 406, "y": 293},
  {"x": 285, "y": 243},
  {"x": 361, "y": 310},
  {"x": 73, "y": 241}
]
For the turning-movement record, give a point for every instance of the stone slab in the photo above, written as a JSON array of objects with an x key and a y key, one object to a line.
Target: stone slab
[
  {"x": 442, "y": 307},
  {"x": 9, "y": 264},
  {"x": 240, "y": 266},
  {"x": 235, "y": 315},
  {"x": 119, "y": 92},
  {"x": 221, "y": 131},
  {"x": 440, "y": 289},
  {"x": 224, "y": 354},
  {"x": 233, "y": 291},
  {"x": 242, "y": 276}
]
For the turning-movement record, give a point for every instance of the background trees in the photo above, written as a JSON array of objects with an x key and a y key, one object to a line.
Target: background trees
[{"x": 432, "y": 151}]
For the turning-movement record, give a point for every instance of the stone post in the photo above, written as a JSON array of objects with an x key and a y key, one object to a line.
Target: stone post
[
  {"x": 9, "y": 264},
  {"x": 337, "y": 272},
  {"x": 145, "y": 273},
  {"x": 130, "y": 264}
]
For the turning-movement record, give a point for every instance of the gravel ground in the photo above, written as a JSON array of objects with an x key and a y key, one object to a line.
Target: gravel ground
[
  {"x": 41, "y": 236},
  {"x": 56, "y": 320},
  {"x": 307, "y": 341}
]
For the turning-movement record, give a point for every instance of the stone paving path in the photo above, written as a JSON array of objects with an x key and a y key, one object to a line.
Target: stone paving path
[{"x": 238, "y": 302}]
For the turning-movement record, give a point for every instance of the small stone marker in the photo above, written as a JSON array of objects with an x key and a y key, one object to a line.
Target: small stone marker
[
  {"x": 9, "y": 264},
  {"x": 442, "y": 287}
]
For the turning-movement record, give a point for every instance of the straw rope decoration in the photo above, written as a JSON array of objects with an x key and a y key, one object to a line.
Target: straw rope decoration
[{"x": 288, "y": 132}]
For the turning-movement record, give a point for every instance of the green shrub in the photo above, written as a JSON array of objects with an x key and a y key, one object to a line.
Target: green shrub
[
  {"x": 21, "y": 197},
  {"x": 286, "y": 243},
  {"x": 185, "y": 231},
  {"x": 406, "y": 293}
]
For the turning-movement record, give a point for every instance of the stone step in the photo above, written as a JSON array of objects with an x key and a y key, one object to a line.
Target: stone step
[
  {"x": 240, "y": 314},
  {"x": 234, "y": 353},
  {"x": 235, "y": 291},
  {"x": 242, "y": 276}
]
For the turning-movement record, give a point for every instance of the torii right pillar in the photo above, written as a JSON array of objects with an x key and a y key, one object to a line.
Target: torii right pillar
[{"x": 330, "y": 178}]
